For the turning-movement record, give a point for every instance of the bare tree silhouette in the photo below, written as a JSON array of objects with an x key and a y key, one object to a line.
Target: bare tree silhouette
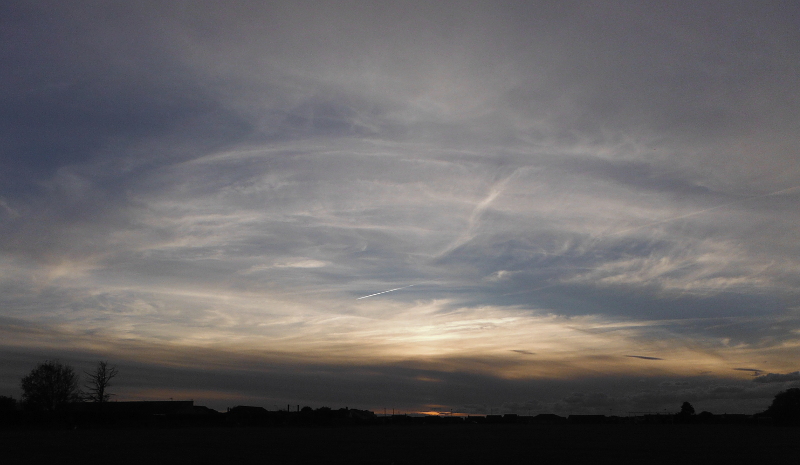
[{"x": 99, "y": 382}]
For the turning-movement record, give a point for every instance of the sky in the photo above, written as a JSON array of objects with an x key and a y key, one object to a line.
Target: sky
[{"x": 478, "y": 207}]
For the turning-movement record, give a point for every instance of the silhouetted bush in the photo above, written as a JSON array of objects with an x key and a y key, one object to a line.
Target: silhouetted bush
[
  {"x": 50, "y": 387},
  {"x": 687, "y": 409},
  {"x": 785, "y": 408},
  {"x": 686, "y": 414},
  {"x": 7, "y": 404}
]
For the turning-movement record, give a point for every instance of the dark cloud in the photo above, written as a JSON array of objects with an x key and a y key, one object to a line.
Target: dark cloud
[
  {"x": 777, "y": 377},
  {"x": 752, "y": 370},
  {"x": 644, "y": 357},
  {"x": 523, "y": 352},
  {"x": 677, "y": 384}
]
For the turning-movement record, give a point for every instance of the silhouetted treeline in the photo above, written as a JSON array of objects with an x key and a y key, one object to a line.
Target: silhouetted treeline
[
  {"x": 323, "y": 416},
  {"x": 186, "y": 414},
  {"x": 785, "y": 410}
]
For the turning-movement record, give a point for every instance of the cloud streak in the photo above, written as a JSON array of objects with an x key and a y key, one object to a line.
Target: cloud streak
[{"x": 778, "y": 377}]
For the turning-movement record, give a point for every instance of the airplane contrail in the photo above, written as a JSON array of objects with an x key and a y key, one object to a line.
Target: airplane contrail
[
  {"x": 468, "y": 234},
  {"x": 383, "y": 292}
]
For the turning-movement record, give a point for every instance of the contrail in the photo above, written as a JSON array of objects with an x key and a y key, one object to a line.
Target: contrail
[
  {"x": 468, "y": 234},
  {"x": 384, "y": 292}
]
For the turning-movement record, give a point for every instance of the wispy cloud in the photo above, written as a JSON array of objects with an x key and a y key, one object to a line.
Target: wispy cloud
[
  {"x": 755, "y": 371},
  {"x": 777, "y": 377},
  {"x": 560, "y": 193}
]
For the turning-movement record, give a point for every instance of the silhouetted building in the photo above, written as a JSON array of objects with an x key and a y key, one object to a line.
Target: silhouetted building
[
  {"x": 548, "y": 419},
  {"x": 148, "y": 407},
  {"x": 248, "y": 416},
  {"x": 247, "y": 410},
  {"x": 145, "y": 407}
]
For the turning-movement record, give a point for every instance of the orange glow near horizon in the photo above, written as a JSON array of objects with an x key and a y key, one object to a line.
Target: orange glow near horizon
[
  {"x": 436, "y": 413},
  {"x": 503, "y": 342}
]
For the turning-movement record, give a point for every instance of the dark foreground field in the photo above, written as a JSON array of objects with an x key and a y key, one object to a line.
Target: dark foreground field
[{"x": 462, "y": 444}]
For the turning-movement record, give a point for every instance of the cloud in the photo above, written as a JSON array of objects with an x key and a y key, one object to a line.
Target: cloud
[
  {"x": 753, "y": 370},
  {"x": 231, "y": 181},
  {"x": 292, "y": 263},
  {"x": 523, "y": 352},
  {"x": 777, "y": 377}
]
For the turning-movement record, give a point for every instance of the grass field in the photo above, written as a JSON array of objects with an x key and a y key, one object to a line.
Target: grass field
[{"x": 462, "y": 444}]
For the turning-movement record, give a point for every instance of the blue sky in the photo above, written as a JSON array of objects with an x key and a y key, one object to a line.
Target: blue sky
[{"x": 590, "y": 207}]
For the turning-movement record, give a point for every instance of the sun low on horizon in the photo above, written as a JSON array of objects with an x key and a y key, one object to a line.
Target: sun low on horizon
[{"x": 469, "y": 207}]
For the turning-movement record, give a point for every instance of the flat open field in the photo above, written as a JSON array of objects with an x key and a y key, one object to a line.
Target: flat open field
[{"x": 462, "y": 444}]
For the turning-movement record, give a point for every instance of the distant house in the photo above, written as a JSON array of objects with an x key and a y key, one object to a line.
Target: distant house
[
  {"x": 149, "y": 407},
  {"x": 248, "y": 415},
  {"x": 363, "y": 415},
  {"x": 143, "y": 413},
  {"x": 247, "y": 411},
  {"x": 548, "y": 419},
  {"x": 140, "y": 408}
]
